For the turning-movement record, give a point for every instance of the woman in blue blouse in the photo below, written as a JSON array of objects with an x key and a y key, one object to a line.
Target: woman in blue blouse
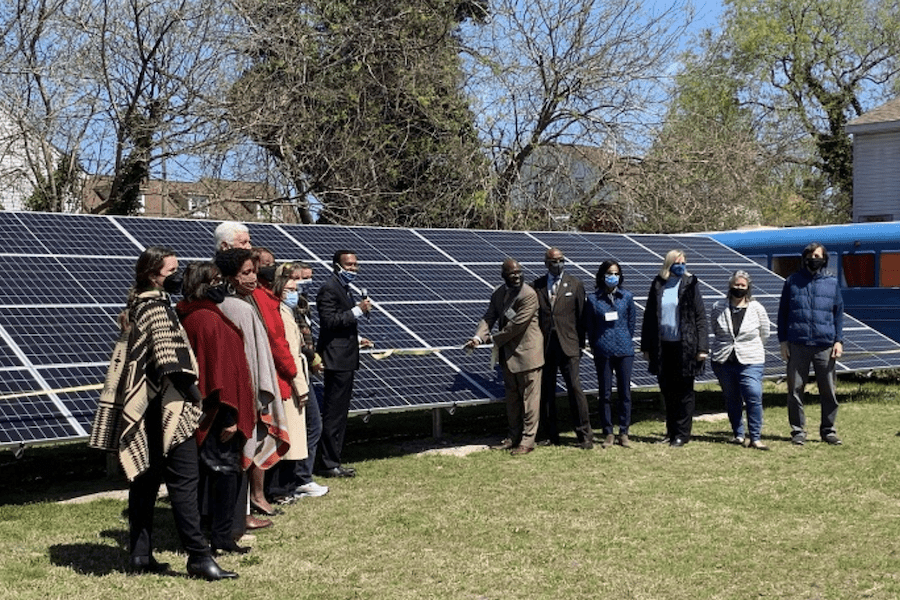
[{"x": 610, "y": 323}]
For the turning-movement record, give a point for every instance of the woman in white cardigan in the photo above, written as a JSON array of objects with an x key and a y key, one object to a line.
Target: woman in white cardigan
[{"x": 740, "y": 327}]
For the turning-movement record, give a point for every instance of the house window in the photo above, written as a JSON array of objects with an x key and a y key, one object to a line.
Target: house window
[
  {"x": 875, "y": 218},
  {"x": 198, "y": 205},
  {"x": 785, "y": 265},
  {"x": 858, "y": 270},
  {"x": 890, "y": 269}
]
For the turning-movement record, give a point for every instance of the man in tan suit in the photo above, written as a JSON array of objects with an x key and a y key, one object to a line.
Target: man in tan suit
[{"x": 519, "y": 342}]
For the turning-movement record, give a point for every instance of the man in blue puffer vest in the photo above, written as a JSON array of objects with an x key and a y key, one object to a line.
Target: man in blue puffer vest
[{"x": 810, "y": 330}]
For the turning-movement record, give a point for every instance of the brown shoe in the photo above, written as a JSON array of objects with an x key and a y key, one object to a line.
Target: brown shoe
[
  {"x": 504, "y": 445},
  {"x": 256, "y": 523},
  {"x": 609, "y": 441},
  {"x": 623, "y": 440},
  {"x": 520, "y": 450},
  {"x": 758, "y": 445}
]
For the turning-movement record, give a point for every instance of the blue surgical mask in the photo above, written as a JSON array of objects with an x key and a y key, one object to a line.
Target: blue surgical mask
[
  {"x": 347, "y": 276},
  {"x": 291, "y": 298},
  {"x": 611, "y": 280},
  {"x": 678, "y": 269}
]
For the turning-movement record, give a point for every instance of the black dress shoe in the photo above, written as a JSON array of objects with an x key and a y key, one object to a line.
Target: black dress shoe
[
  {"x": 678, "y": 442},
  {"x": 337, "y": 472},
  {"x": 146, "y": 564},
  {"x": 229, "y": 547},
  {"x": 207, "y": 568}
]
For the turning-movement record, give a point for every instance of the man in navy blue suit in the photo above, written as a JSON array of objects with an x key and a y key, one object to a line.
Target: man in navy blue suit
[{"x": 338, "y": 345}]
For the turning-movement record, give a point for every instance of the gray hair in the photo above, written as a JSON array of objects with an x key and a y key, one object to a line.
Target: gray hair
[
  {"x": 742, "y": 274},
  {"x": 226, "y": 231}
]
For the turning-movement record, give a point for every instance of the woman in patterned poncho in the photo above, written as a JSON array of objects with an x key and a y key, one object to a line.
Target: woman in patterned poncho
[{"x": 148, "y": 413}]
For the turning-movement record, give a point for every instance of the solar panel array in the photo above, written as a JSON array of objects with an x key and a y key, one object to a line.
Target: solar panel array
[{"x": 64, "y": 278}]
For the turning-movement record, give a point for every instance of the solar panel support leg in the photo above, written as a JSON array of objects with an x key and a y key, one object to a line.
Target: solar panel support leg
[{"x": 436, "y": 424}]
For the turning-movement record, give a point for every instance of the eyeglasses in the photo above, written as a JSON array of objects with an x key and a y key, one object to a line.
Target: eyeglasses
[{"x": 555, "y": 262}]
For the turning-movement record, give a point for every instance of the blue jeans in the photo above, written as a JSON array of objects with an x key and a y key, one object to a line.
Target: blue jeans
[
  {"x": 742, "y": 386},
  {"x": 622, "y": 366},
  {"x": 303, "y": 471}
]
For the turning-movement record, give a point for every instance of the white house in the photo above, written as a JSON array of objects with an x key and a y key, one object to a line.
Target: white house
[
  {"x": 876, "y": 164},
  {"x": 16, "y": 177}
]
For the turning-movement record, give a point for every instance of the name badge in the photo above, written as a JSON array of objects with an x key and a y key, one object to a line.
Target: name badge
[
  {"x": 510, "y": 314},
  {"x": 611, "y": 316}
]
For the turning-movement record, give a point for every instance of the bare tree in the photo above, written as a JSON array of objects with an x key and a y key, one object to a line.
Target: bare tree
[
  {"x": 578, "y": 72},
  {"x": 117, "y": 88}
]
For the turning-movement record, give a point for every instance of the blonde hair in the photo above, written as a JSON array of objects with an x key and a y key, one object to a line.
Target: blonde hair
[{"x": 671, "y": 257}]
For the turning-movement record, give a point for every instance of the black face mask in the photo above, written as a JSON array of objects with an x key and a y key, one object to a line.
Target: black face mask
[
  {"x": 216, "y": 293},
  {"x": 738, "y": 292},
  {"x": 814, "y": 264},
  {"x": 172, "y": 283},
  {"x": 267, "y": 273}
]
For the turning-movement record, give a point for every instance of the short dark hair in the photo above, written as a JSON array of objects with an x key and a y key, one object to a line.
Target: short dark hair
[
  {"x": 230, "y": 261},
  {"x": 336, "y": 259},
  {"x": 197, "y": 278},
  {"x": 600, "y": 281}
]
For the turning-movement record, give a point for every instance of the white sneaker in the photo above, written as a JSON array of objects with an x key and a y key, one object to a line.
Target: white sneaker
[{"x": 311, "y": 490}]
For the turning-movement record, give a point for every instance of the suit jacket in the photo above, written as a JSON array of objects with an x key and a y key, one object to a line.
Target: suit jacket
[
  {"x": 519, "y": 338},
  {"x": 565, "y": 315},
  {"x": 338, "y": 343}
]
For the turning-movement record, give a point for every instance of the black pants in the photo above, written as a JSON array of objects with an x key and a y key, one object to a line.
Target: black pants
[
  {"x": 336, "y": 396},
  {"x": 221, "y": 500},
  {"x": 180, "y": 470},
  {"x": 556, "y": 360},
  {"x": 677, "y": 391}
]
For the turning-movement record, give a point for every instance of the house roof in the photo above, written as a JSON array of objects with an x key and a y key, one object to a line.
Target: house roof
[{"x": 883, "y": 118}]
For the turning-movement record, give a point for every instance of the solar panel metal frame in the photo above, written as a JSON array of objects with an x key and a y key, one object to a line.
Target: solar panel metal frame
[{"x": 430, "y": 288}]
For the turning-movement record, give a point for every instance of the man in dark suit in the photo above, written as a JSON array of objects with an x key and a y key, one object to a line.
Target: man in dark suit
[
  {"x": 514, "y": 308},
  {"x": 562, "y": 299},
  {"x": 338, "y": 345}
]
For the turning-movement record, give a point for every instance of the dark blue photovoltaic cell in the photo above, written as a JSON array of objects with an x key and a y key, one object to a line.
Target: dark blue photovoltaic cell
[
  {"x": 16, "y": 237},
  {"x": 283, "y": 245},
  {"x": 8, "y": 358},
  {"x": 63, "y": 279},
  {"x": 82, "y": 404},
  {"x": 596, "y": 247},
  {"x": 323, "y": 241},
  {"x": 104, "y": 280},
  {"x": 441, "y": 324},
  {"x": 54, "y": 336},
  {"x": 18, "y": 284},
  {"x": 401, "y": 245},
  {"x": 192, "y": 239},
  {"x": 29, "y": 418},
  {"x": 78, "y": 234}
]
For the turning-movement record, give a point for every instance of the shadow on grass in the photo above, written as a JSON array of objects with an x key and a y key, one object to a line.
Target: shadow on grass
[{"x": 97, "y": 560}]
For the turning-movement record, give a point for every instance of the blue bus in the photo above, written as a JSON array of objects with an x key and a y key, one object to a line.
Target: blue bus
[{"x": 865, "y": 257}]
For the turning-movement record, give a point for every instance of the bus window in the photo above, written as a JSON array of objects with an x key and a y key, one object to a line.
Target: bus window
[
  {"x": 785, "y": 265},
  {"x": 858, "y": 270},
  {"x": 890, "y": 269}
]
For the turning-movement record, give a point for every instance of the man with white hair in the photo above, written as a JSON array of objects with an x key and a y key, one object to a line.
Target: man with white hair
[{"x": 231, "y": 234}]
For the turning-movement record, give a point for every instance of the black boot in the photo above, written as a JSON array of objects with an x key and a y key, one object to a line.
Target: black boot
[
  {"x": 146, "y": 564},
  {"x": 207, "y": 568}
]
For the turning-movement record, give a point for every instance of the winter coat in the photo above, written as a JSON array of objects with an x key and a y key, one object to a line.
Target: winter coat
[
  {"x": 693, "y": 323},
  {"x": 811, "y": 311}
]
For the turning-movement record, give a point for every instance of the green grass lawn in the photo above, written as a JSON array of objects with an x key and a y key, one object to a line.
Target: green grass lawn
[{"x": 710, "y": 520}]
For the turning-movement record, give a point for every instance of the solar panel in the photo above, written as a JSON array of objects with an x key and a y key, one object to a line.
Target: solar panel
[{"x": 64, "y": 278}]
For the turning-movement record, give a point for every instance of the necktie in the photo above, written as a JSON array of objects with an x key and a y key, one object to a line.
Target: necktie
[{"x": 553, "y": 289}]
